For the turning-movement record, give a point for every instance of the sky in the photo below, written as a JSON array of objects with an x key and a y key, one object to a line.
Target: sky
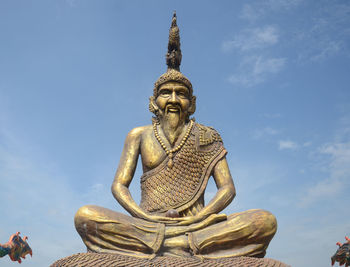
[{"x": 272, "y": 77}]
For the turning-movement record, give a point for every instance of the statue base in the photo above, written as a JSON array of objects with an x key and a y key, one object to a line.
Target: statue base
[{"x": 106, "y": 259}]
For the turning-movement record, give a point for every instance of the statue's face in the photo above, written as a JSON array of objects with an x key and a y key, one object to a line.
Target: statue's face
[{"x": 173, "y": 100}]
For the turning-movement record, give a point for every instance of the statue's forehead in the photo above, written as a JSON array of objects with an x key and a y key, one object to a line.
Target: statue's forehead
[{"x": 173, "y": 84}]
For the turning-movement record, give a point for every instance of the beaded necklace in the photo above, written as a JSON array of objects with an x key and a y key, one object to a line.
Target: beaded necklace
[{"x": 175, "y": 149}]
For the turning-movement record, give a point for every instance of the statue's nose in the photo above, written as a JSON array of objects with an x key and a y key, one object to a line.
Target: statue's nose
[{"x": 173, "y": 98}]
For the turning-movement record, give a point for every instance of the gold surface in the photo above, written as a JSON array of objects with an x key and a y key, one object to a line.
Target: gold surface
[{"x": 178, "y": 157}]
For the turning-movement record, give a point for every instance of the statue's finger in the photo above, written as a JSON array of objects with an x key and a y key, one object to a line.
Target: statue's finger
[{"x": 187, "y": 222}]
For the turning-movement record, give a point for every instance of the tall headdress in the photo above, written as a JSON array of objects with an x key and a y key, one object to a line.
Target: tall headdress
[{"x": 173, "y": 60}]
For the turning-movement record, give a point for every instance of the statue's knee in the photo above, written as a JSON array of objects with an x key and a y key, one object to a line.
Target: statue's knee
[
  {"x": 83, "y": 214},
  {"x": 269, "y": 222}
]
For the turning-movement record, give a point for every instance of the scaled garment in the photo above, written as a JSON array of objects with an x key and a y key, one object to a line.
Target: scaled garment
[{"x": 181, "y": 186}]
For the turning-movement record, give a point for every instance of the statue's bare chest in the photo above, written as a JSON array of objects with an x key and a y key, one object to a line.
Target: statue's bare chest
[{"x": 152, "y": 154}]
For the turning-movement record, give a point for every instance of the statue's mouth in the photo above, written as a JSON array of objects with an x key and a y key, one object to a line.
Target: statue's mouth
[{"x": 172, "y": 109}]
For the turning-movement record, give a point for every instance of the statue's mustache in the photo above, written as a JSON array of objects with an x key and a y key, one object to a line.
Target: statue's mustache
[{"x": 172, "y": 106}]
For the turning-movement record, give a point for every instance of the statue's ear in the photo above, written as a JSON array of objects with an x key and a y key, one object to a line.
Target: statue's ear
[
  {"x": 192, "y": 108},
  {"x": 153, "y": 106}
]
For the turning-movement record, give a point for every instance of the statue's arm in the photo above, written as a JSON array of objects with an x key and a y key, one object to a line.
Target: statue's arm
[
  {"x": 125, "y": 173},
  {"x": 226, "y": 189}
]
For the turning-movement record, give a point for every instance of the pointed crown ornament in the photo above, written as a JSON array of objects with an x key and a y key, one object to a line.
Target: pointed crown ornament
[{"x": 173, "y": 61}]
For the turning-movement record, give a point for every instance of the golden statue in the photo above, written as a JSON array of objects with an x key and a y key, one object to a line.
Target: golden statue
[{"x": 178, "y": 157}]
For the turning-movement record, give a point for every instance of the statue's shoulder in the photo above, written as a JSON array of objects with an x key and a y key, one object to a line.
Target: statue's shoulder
[
  {"x": 207, "y": 134},
  {"x": 140, "y": 131}
]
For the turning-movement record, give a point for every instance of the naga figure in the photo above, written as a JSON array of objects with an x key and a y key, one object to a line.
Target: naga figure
[
  {"x": 16, "y": 248},
  {"x": 342, "y": 255},
  {"x": 178, "y": 157}
]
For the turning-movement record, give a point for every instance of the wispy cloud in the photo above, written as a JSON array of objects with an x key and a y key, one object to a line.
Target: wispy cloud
[
  {"x": 71, "y": 3},
  {"x": 340, "y": 158},
  {"x": 255, "y": 70},
  {"x": 269, "y": 65},
  {"x": 251, "y": 13},
  {"x": 335, "y": 161},
  {"x": 323, "y": 34},
  {"x": 307, "y": 144},
  {"x": 282, "y": 4},
  {"x": 287, "y": 144},
  {"x": 325, "y": 188},
  {"x": 327, "y": 34},
  {"x": 267, "y": 131},
  {"x": 259, "y": 9},
  {"x": 255, "y": 38},
  {"x": 339, "y": 173},
  {"x": 257, "y": 56},
  {"x": 326, "y": 49},
  {"x": 271, "y": 115}
]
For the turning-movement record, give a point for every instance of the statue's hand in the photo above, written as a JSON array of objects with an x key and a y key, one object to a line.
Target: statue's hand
[
  {"x": 201, "y": 220},
  {"x": 163, "y": 219},
  {"x": 190, "y": 220}
]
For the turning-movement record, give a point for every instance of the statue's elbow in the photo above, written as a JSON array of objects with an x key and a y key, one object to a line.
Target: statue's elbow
[
  {"x": 116, "y": 189},
  {"x": 232, "y": 192}
]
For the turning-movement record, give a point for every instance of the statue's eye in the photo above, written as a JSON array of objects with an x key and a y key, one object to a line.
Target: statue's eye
[
  {"x": 165, "y": 92},
  {"x": 182, "y": 94}
]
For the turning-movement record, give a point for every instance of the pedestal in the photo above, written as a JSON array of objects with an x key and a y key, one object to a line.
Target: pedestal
[{"x": 110, "y": 260}]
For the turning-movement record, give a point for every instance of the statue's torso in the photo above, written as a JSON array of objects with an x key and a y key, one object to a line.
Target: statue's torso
[
  {"x": 180, "y": 185},
  {"x": 152, "y": 154}
]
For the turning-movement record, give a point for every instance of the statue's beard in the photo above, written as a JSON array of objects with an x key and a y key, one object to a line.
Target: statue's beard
[{"x": 171, "y": 118}]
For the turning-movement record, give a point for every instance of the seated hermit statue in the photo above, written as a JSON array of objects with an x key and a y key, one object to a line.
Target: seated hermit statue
[{"x": 178, "y": 157}]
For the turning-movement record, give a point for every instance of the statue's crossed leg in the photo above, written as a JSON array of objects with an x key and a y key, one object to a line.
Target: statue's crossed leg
[{"x": 245, "y": 233}]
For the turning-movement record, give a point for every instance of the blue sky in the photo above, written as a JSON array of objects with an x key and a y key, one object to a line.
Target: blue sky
[{"x": 271, "y": 76}]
